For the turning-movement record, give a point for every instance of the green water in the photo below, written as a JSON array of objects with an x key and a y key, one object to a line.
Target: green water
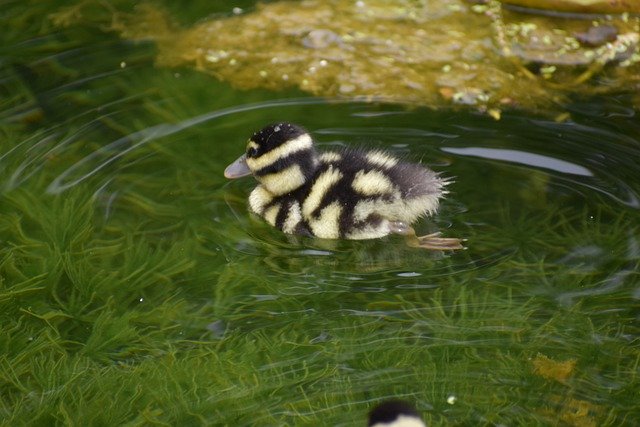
[{"x": 136, "y": 289}]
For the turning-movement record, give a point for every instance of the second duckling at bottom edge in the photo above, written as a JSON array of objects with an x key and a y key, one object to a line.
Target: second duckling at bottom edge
[
  {"x": 395, "y": 413},
  {"x": 349, "y": 193}
]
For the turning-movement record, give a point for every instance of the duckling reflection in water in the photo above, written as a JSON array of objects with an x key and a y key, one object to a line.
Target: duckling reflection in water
[
  {"x": 394, "y": 413},
  {"x": 349, "y": 194}
]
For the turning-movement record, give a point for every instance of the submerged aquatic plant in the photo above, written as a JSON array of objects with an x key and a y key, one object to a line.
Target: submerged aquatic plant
[{"x": 111, "y": 313}]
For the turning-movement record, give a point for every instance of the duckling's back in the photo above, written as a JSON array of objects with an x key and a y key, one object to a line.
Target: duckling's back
[{"x": 358, "y": 194}]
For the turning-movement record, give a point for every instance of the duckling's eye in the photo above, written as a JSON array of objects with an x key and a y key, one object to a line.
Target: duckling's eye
[{"x": 252, "y": 151}]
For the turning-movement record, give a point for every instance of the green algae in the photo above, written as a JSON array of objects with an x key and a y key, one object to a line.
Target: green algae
[{"x": 484, "y": 57}]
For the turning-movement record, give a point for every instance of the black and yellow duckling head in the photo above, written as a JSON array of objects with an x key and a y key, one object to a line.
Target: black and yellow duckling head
[
  {"x": 351, "y": 194},
  {"x": 282, "y": 157},
  {"x": 394, "y": 413}
]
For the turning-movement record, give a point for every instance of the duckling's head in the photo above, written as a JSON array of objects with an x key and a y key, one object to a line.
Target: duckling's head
[
  {"x": 395, "y": 413},
  {"x": 281, "y": 157}
]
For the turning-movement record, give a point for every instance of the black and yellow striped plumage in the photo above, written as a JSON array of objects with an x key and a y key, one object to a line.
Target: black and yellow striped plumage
[{"x": 351, "y": 194}]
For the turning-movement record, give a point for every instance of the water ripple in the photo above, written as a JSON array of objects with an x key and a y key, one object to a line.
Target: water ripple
[{"x": 99, "y": 159}]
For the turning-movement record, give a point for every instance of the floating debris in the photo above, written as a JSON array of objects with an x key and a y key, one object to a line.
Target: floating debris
[
  {"x": 551, "y": 369},
  {"x": 597, "y": 35}
]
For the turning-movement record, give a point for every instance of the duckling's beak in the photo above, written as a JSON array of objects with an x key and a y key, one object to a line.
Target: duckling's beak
[{"x": 238, "y": 168}]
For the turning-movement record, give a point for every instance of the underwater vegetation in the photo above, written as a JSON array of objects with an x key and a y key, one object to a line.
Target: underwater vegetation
[
  {"x": 136, "y": 289},
  {"x": 139, "y": 321}
]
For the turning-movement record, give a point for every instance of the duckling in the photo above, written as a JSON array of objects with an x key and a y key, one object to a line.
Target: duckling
[
  {"x": 350, "y": 193},
  {"x": 394, "y": 413}
]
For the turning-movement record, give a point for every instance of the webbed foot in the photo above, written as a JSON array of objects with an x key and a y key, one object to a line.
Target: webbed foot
[
  {"x": 431, "y": 241},
  {"x": 434, "y": 242}
]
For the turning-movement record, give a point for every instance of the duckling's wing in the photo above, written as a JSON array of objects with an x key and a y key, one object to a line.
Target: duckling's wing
[{"x": 413, "y": 180}]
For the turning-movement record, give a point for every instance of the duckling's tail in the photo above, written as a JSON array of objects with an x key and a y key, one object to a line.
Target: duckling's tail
[{"x": 420, "y": 181}]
